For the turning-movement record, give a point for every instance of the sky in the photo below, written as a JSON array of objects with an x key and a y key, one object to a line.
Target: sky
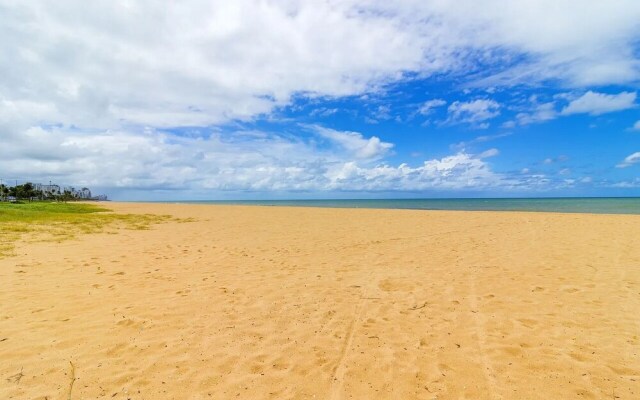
[{"x": 247, "y": 99}]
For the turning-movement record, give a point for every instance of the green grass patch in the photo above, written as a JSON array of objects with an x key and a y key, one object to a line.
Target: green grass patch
[{"x": 47, "y": 221}]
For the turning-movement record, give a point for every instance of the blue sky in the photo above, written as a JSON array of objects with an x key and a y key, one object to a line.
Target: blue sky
[{"x": 339, "y": 99}]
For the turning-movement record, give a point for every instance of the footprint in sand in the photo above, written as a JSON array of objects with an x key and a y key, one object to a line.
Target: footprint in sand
[
  {"x": 512, "y": 350},
  {"x": 118, "y": 349},
  {"x": 256, "y": 369},
  {"x": 444, "y": 368},
  {"x": 529, "y": 323},
  {"x": 624, "y": 370},
  {"x": 396, "y": 285},
  {"x": 130, "y": 323},
  {"x": 578, "y": 356}
]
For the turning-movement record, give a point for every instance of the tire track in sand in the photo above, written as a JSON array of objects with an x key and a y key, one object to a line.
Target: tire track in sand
[
  {"x": 337, "y": 378},
  {"x": 479, "y": 318}
]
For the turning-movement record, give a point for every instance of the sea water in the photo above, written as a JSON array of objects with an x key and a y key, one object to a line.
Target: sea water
[{"x": 598, "y": 205}]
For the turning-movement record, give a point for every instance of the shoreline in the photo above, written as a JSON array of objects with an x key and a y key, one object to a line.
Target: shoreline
[{"x": 268, "y": 206}]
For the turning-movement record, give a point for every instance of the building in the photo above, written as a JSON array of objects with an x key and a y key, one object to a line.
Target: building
[
  {"x": 48, "y": 190},
  {"x": 51, "y": 191}
]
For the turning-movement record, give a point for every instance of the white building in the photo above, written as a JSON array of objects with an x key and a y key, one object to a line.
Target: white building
[{"x": 48, "y": 190}]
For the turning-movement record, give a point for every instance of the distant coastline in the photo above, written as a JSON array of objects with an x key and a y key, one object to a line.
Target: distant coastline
[{"x": 30, "y": 191}]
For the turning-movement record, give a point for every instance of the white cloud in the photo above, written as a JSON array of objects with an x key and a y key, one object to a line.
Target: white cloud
[
  {"x": 540, "y": 113},
  {"x": 243, "y": 162},
  {"x": 473, "y": 112},
  {"x": 246, "y": 161},
  {"x": 201, "y": 62},
  {"x": 480, "y": 139},
  {"x": 383, "y": 113},
  {"x": 636, "y": 126},
  {"x": 323, "y": 112},
  {"x": 560, "y": 159},
  {"x": 153, "y": 159},
  {"x": 427, "y": 107},
  {"x": 630, "y": 184},
  {"x": 594, "y": 44},
  {"x": 355, "y": 143},
  {"x": 150, "y": 159},
  {"x": 489, "y": 153},
  {"x": 595, "y": 103},
  {"x": 459, "y": 171},
  {"x": 630, "y": 160},
  {"x": 191, "y": 64}
]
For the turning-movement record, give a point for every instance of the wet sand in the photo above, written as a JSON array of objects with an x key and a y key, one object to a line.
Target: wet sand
[{"x": 303, "y": 303}]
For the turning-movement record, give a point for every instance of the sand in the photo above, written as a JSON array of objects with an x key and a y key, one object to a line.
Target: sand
[{"x": 303, "y": 303}]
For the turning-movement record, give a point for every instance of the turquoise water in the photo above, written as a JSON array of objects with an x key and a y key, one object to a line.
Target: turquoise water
[{"x": 617, "y": 205}]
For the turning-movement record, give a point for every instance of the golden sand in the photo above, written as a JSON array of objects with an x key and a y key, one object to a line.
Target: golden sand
[{"x": 269, "y": 302}]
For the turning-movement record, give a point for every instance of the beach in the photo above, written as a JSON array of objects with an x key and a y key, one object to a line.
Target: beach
[{"x": 259, "y": 302}]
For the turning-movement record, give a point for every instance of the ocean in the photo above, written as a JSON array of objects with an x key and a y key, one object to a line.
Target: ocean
[{"x": 597, "y": 205}]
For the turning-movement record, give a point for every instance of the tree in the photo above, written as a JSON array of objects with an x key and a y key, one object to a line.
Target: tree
[
  {"x": 13, "y": 191},
  {"x": 28, "y": 191},
  {"x": 66, "y": 196}
]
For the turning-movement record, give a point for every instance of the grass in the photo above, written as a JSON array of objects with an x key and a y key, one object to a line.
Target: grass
[{"x": 47, "y": 221}]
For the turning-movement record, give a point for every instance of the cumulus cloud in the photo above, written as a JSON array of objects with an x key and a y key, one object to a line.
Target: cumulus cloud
[
  {"x": 595, "y": 103},
  {"x": 630, "y": 160},
  {"x": 458, "y": 171},
  {"x": 636, "y": 126},
  {"x": 249, "y": 161},
  {"x": 474, "y": 112},
  {"x": 151, "y": 159},
  {"x": 190, "y": 64},
  {"x": 355, "y": 143},
  {"x": 202, "y": 62},
  {"x": 245, "y": 162},
  {"x": 594, "y": 44}
]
